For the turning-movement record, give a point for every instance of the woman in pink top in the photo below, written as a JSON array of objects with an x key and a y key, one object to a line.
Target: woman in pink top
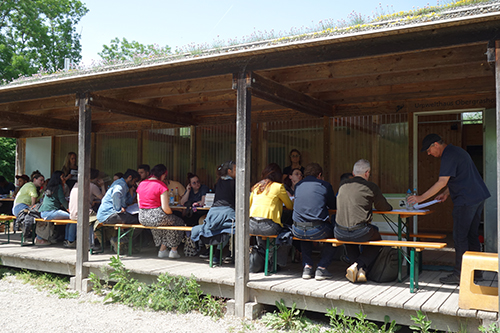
[{"x": 154, "y": 211}]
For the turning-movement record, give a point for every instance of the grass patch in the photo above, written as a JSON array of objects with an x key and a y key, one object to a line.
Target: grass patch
[
  {"x": 56, "y": 284},
  {"x": 168, "y": 293}
]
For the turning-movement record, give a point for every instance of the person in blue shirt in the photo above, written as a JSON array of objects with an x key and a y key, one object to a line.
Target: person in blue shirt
[
  {"x": 313, "y": 198},
  {"x": 114, "y": 203},
  {"x": 462, "y": 182}
]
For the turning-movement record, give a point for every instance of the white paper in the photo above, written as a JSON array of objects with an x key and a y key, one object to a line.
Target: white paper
[
  {"x": 133, "y": 209},
  {"x": 427, "y": 204}
]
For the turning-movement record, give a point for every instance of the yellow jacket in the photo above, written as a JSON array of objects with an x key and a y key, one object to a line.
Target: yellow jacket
[{"x": 269, "y": 205}]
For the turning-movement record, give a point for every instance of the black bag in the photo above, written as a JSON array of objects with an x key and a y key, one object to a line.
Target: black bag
[
  {"x": 257, "y": 259},
  {"x": 385, "y": 267}
]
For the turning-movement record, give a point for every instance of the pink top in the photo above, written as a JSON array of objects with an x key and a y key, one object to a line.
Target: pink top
[{"x": 149, "y": 191}]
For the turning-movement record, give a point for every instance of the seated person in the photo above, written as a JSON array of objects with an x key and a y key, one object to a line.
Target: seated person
[
  {"x": 114, "y": 203},
  {"x": 143, "y": 170},
  {"x": 193, "y": 197},
  {"x": 154, "y": 211},
  {"x": 266, "y": 206},
  {"x": 29, "y": 194},
  {"x": 117, "y": 176},
  {"x": 21, "y": 180},
  {"x": 313, "y": 198},
  {"x": 292, "y": 180},
  {"x": 54, "y": 207},
  {"x": 6, "y": 187},
  {"x": 219, "y": 222},
  {"x": 97, "y": 191},
  {"x": 354, "y": 216}
]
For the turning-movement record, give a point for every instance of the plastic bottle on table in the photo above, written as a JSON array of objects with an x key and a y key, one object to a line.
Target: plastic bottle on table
[
  {"x": 176, "y": 196},
  {"x": 407, "y": 205},
  {"x": 171, "y": 197}
]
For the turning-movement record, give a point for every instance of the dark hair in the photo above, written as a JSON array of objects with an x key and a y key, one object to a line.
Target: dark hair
[
  {"x": 145, "y": 167},
  {"x": 2, "y": 179},
  {"x": 345, "y": 176},
  {"x": 295, "y": 151},
  {"x": 158, "y": 170},
  {"x": 313, "y": 169},
  {"x": 191, "y": 176},
  {"x": 94, "y": 173},
  {"x": 270, "y": 174},
  {"x": 54, "y": 183},
  {"x": 133, "y": 173},
  {"x": 119, "y": 174},
  {"x": 35, "y": 175},
  {"x": 224, "y": 167}
]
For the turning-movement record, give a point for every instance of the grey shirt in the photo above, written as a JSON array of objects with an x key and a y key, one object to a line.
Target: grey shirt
[{"x": 355, "y": 200}]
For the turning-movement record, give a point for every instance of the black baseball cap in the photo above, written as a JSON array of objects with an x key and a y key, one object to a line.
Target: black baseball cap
[{"x": 429, "y": 140}]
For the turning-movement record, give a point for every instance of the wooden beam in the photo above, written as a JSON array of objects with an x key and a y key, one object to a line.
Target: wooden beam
[
  {"x": 39, "y": 121},
  {"x": 243, "y": 148},
  {"x": 497, "y": 78},
  {"x": 282, "y": 95},
  {"x": 82, "y": 233},
  {"x": 140, "y": 111}
]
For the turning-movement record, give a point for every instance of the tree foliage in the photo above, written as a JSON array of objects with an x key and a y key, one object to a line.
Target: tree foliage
[
  {"x": 123, "y": 50},
  {"x": 38, "y": 35},
  {"x": 7, "y": 158}
]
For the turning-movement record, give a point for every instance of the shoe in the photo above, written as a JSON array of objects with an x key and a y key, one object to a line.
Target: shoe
[
  {"x": 352, "y": 272},
  {"x": 163, "y": 254},
  {"x": 228, "y": 260},
  {"x": 174, "y": 254},
  {"x": 69, "y": 245},
  {"x": 42, "y": 242},
  {"x": 450, "y": 279},
  {"x": 361, "y": 276},
  {"x": 307, "y": 273},
  {"x": 215, "y": 260},
  {"x": 322, "y": 274},
  {"x": 204, "y": 256}
]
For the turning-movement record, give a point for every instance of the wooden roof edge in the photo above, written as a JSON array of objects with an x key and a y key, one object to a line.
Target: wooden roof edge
[{"x": 355, "y": 36}]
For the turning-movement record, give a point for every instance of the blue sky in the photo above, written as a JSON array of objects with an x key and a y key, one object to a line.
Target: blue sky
[{"x": 178, "y": 23}]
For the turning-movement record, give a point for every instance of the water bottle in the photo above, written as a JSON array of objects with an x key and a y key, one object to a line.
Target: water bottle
[
  {"x": 408, "y": 194},
  {"x": 171, "y": 199}
]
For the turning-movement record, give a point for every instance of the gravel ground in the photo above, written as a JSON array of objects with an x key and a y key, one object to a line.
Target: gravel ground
[{"x": 25, "y": 309}]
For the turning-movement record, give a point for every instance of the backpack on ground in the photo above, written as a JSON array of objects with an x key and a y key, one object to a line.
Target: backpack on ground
[{"x": 385, "y": 267}]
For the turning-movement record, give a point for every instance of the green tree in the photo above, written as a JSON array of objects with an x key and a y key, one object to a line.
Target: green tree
[
  {"x": 38, "y": 35},
  {"x": 7, "y": 158},
  {"x": 123, "y": 50}
]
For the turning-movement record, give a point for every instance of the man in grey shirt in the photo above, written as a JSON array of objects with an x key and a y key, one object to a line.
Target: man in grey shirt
[{"x": 354, "y": 216}]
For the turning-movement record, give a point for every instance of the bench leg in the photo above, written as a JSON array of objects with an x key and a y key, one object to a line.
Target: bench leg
[
  {"x": 413, "y": 272},
  {"x": 118, "y": 239},
  {"x": 266, "y": 262},
  {"x": 211, "y": 259}
]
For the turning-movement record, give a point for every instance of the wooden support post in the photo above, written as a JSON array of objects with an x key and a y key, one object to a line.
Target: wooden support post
[
  {"x": 243, "y": 147},
  {"x": 140, "y": 157},
  {"x": 82, "y": 229},
  {"x": 192, "y": 146},
  {"x": 327, "y": 161},
  {"x": 497, "y": 78},
  {"x": 20, "y": 156}
]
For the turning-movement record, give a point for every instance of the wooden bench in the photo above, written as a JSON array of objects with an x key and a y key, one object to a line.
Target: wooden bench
[
  {"x": 413, "y": 246},
  {"x": 5, "y": 221}
]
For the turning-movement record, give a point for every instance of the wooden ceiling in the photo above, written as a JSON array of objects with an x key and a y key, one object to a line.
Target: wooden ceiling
[{"x": 433, "y": 66}]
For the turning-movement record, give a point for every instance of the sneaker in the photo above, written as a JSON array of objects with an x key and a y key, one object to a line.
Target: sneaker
[
  {"x": 174, "y": 254},
  {"x": 42, "y": 242},
  {"x": 352, "y": 272},
  {"x": 307, "y": 273},
  {"x": 163, "y": 254},
  {"x": 450, "y": 279},
  {"x": 204, "y": 256},
  {"x": 361, "y": 276},
  {"x": 215, "y": 260},
  {"x": 69, "y": 245},
  {"x": 228, "y": 260},
  {"x": 322, "y": 274}
]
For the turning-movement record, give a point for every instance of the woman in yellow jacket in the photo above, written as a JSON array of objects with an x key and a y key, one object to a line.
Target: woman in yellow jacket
[{"x": 266, "y": 206}]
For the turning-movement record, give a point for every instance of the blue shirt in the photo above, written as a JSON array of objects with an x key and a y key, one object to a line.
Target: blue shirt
[
  {"x": 113, "y": 201},
  {"x": 313, "y": 198},
  {"x": 197, "y": 197},
  {"x": 465, "y": 184}
]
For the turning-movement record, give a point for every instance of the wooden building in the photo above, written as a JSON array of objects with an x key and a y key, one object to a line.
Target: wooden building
[{"x": 370, "y": 94}]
